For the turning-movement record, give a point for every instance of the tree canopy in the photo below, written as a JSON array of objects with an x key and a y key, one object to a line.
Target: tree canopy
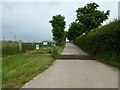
[
  {"x": 75, "y": 29},
  {"x": 58, "y": 25},
  {"x": 87, "y": 19},
  {"x": 90, "y": 17}
]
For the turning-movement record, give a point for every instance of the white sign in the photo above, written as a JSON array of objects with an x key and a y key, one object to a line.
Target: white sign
[
  {"x": 45, "y": 43},
  {"x": 37, "y": 46}
]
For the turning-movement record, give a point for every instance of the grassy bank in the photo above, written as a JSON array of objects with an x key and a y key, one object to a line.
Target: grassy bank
[
  {"x": 103, "y": 43},
  {"x": 57, "y": 52},
  {"x": 21, "y": 68},
  {"x": 59, "y": 49}
]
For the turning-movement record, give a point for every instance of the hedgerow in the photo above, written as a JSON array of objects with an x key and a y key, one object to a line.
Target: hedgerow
[{"x": 105, "y": 39}]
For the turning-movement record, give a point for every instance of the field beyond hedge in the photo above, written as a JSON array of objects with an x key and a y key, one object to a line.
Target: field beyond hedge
[{"x": 103, "y": 42}]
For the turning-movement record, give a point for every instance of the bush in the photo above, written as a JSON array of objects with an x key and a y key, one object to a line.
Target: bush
[
  {"x": 55, "y": 54},
  {"x": 104, "y": 39}
]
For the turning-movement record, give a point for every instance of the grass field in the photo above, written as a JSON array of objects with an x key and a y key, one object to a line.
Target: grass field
[{"x": 21, "y": 68}]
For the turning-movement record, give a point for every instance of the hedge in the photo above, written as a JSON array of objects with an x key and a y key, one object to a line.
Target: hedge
[{"x": 105, "y": 39}]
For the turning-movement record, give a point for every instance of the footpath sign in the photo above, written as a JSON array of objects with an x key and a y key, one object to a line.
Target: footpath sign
[
  {"x": 45, "y": 43},
  {"x": 37, "y": 46}
]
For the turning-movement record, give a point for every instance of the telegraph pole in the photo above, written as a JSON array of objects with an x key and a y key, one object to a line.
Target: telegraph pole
[{"x": 15, "y": 38}]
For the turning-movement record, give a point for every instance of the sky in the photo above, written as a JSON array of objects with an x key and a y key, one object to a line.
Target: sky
[{"x": 29, "y": 21}]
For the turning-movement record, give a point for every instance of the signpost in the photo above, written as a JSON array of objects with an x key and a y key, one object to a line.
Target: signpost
[{"x": 37, "y": 46}]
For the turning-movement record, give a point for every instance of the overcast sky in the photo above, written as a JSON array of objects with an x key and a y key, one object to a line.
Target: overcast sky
[{"x": 29, "y": 21}]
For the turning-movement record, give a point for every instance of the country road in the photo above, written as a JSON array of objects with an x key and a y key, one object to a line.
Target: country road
[{"x": 76, "y": 73}]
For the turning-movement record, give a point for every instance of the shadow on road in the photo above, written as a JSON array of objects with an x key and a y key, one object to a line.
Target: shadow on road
[{"x": 76, "y": 57}]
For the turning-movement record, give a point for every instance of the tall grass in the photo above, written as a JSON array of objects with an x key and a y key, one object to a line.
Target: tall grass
[
  {"x": 10, "y": 48},
  {"x": 28, "y": 46},
  {"x": 103, "y": 42}
]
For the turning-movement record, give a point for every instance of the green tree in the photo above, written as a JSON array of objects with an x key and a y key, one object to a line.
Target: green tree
[
  {"x": 90, "y": 17},
  {"x": 58, "y": 25},
  {"x": 75, "y": 30}
]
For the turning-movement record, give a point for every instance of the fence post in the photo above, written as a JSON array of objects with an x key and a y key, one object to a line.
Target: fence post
[{"x": 20, "y": 45}]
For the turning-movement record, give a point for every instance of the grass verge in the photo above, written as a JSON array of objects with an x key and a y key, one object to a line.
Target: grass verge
[
  {"x": 19, "y": 69},
  {"x": 57, "y": 52},
  {"x": 109, "y": 58},
  {"x": 60, "y": 49}
]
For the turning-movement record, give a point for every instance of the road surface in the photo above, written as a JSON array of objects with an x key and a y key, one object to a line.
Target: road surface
[{"x": 76, "y": 73}]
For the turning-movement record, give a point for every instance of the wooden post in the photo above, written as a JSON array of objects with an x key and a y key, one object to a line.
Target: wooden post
[
  {"x": 52, "y": 47},
  {"x": 20, "y": 45}
]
